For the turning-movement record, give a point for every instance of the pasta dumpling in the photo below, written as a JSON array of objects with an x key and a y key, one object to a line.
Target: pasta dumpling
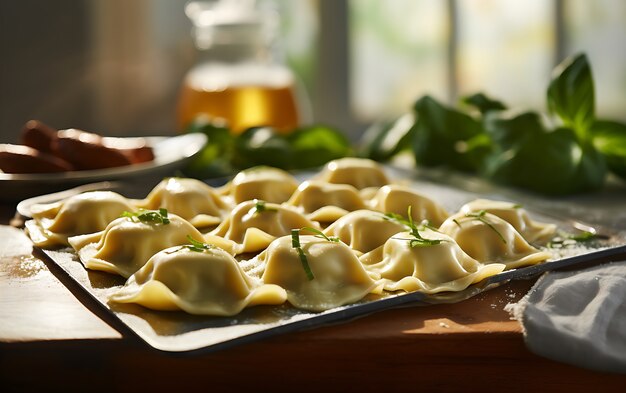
[
  {"x": 338, "y": 277},
  {"x": 326, "y": 202},
  {"x": 397, "y": 199},
  {"x": 204, "y": 281},
  {"x": 490, "y": 239},
  {"x": 357, "y": 172},
  {"x": 127, "y": 243},
  {"x": 435, "y": 266},
  {"x": 264, "y": 183},
  {"x": 191, "y": 199},
  {"x": 80, "y": 214},
  {"x": 253, "y": 225},
  {"x": 532, "y": 231},
  {"x": 364, "y": 230}
]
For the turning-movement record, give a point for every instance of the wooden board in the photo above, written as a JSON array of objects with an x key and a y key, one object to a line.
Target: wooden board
[{"x": 34, "y": 305}]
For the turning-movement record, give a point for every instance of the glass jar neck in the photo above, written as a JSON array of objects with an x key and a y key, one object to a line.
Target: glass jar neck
[
  {"x": 235, "y": 53},
  {"x": 233, "y": 31}
]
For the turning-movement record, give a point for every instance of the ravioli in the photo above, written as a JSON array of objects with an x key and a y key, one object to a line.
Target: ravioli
[
  {"x": 264, "y": 183},
  {"x": 357, "y": 172},
  {"x": 126, "y": 244},
  {"x": 490, "y": 239},
  {"x": 338, "y": 276},
  {"x": 326, "y": 202},
  {"x": 364, "y": 230},
  {"x": 401, "y": 265},
  {"x": 198, "y": 281},
  {"x": 80, "y": 214},
  {"x": 397, "y": 199},
  {"x": 532, "y": 231},
  {"x": 191, "y": 199},
  {"x": 362, "y": 250},
  {"x": 253, "y": 225}
]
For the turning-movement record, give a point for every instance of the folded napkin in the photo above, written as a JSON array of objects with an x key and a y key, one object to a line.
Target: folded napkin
[{"x": 578, "y": 317}]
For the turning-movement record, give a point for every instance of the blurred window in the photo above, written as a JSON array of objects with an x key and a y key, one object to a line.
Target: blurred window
[
  {"x": 505, "y": 49},
  {"x": 398, "y": 52},
  {"x": 599, "y": 29}
]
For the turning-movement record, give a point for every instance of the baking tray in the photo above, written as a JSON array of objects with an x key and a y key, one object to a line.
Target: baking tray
[{"x": 182, "y": 333}]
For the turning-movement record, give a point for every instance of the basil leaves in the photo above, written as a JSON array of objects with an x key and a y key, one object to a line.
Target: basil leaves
[
  {"x": 571, "y": 95},
  {"x": 609, "y": 138},
  {"x": 564, "y": 151},
  {"x": 441, "y": 134},
  {"x": 525, "y": 154},
  {"x": 226, "y": 153}
]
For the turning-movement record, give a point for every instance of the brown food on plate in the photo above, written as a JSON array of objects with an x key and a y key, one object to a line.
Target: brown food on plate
[
  {"x": 72, "y": 150},
  {"x": 86, "y": 151},
  {"x": 24, "y": 159},
  {"x": 136, "y": 149},
  {"x": 38, "y": 135}
]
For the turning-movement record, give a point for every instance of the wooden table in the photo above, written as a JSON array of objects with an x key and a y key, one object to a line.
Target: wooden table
[{"x": 50, "y": 340}]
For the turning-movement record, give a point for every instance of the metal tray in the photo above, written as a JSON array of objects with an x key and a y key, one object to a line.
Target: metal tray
[{"x": 179, "y": 332}]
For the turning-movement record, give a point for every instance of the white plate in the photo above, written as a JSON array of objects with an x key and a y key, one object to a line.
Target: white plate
[{"x": 170, "y": 154}]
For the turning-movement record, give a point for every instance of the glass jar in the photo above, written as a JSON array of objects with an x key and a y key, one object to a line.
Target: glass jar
[{"x": 237, "y": 77}]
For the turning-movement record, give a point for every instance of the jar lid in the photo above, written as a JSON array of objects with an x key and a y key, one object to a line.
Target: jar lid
[{"x": 230, "y": 22}]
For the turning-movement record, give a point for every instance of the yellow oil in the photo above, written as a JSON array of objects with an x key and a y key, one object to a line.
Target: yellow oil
[{"x": 244, "y": 96}]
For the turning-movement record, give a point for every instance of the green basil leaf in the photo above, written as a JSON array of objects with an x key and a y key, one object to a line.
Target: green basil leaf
[
  {"x": 571, "y": 95},
  {"x": 483, "y": 103},
  {"x": 592, "y": 169},
  {"x": 439, "y": 134},
  {"x": 555, "y": 162},
  {"x": 384, "y": 140},
  {"x": 314, "y": 146},
  {"x": 509, "y": 129},
  {"x": 303, "y": 148},
  {"x": 206, "y": 125},
  {"x": 262, "y": 146},
  {"x": 476, "y": 149},
  {"x": 214, "y": 159},
  {"x": 609, "y": 137}
]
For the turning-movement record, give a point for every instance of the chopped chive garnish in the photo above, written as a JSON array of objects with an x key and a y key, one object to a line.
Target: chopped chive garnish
[
  {"x": 260, "y": 207},
  {"x": 480, "y": 216},
  {"x": 164, "y": 218},
  {"x": 426, "y": 224},
  {"x": 421, "y": 242},
  {"x": 198, "y": 246},
  {"x": 148, "y": 216},
  {"x": 569, "y": 239},
  {"x": 584, "y": 236},
  {"x": 295, "y": 243},
  {"x": 417, "y": 240},
  {"x": 194, "y": 246},
  {"x": 396, "y": 217},
  {"x": 320, "y": 234}
]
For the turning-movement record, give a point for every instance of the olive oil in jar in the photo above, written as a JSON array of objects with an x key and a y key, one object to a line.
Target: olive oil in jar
[
  {"x": 245, "y": 95},
  {"x": 237, "y": 76}
]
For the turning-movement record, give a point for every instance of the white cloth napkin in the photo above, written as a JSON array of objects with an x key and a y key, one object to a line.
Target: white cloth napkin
[{"x": 578, "y": 317}]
